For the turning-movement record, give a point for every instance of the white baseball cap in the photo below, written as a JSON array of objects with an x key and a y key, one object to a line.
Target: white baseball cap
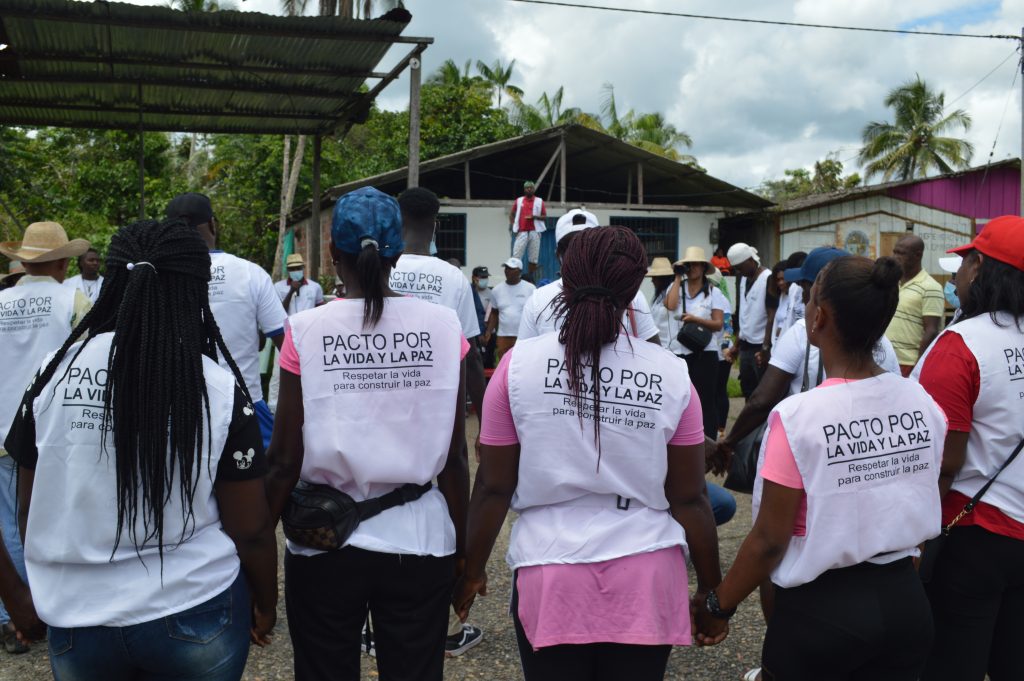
[
  {"x": 513, "y": 263},
  {"x": 741, "y": 252},
  {"x": 565, "y": 224},
  {"x": 951, "y": 263}
]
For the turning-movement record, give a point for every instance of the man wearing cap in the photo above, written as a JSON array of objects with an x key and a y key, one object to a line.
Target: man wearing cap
[
  {"x": 539, "y": 315},
  {"x": 510, "y": 297},
  {"x": 755, "y": 342},
  {"x": 298, "y": 293},
  {"x": 90, "y": 281},
  {"x": 242, "y": 299},
  {"x": 36, "y": 317},
  {"x": 527, "y": 220},
  {"x": 918, "y": 317}
]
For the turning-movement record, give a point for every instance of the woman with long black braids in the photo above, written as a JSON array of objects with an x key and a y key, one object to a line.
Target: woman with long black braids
[
  {"x": 372, "y": 406},
  {"x": 596, "y": 440},
  {"x": 141, "y": 496}
]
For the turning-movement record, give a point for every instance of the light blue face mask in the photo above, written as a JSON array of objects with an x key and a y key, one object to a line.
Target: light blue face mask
[
  {"x": 951, "y": 297},
  {"x": 482, "y": 284},
  {"x": 433, "y": 247},
  {"x": 296, "y": 275}
]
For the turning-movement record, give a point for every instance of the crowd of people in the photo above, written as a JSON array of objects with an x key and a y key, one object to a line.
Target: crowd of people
[{"x": 143, "y": 474}]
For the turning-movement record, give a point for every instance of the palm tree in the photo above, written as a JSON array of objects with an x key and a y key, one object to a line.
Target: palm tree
[
  {"x": 548, "y": 112},
  {"x": 914, "y": 144},
  {"x": 449, "y": 73},
  {"x": 649, "y": 131},
  {"x": 498, "y": 76}
]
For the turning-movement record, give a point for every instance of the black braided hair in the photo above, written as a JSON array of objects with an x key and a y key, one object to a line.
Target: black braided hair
[{"x": 155, "y": 406}]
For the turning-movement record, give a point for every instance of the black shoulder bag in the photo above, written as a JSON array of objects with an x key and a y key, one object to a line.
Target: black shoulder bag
[
  {"x": 322, "y": 517},
  {"x": 692, "y": 336},
  {"x": 932, "y": 547}
]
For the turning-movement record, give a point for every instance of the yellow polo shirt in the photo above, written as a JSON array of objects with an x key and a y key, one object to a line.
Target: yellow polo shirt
[{"x": 919, "y": 298}]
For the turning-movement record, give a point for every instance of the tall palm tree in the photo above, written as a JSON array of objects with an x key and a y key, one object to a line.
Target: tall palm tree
[
  {"x": 548, "y": 112},
  {"x": 449, "y": 73},
  {"x": 498, "y": 76},
  {"x": 649, "y": 131},
  {"x": 914, "y": 143}
]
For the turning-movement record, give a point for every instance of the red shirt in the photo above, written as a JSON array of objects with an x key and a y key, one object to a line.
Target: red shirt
[
  {"x": 951, "y": 376},
  {"x": 527, "y": 211}
]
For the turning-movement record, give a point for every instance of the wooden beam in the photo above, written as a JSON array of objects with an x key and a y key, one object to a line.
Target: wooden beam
[
  {"x": 465, "y": 172},
  {"x": 397, "y": 71},
  {"x": 547, "y": 167},
  {"x": 561, "y": 166},
  {"x": 629, "y": 187},
  {"x": 640, "y": 183},
  {"x": 415, "y": 69},
  {"x": 649, "y": 207},
  {"x": 167, "y": 111}
]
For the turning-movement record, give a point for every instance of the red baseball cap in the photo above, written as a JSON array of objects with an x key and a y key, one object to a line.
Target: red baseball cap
[{"x": 1002, "y": 238}]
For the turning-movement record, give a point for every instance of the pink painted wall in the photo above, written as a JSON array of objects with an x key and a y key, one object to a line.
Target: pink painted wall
[{"x": 975, "y": 194}]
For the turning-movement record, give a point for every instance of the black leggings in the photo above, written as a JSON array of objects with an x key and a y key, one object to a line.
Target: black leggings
[
  {"x": 722, "y": 386},
  {"x": 590, "y": 661},
  {"x": 977, "y": 596},
  {"x": 703, "y": 368},
  {"x": 862, "y": 623}
]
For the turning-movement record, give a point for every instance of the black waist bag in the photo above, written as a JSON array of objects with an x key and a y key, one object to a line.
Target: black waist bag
[{"x": 322, "y": 517}]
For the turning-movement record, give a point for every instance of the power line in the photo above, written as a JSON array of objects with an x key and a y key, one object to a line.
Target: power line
[
  {"x": 983, "y": 79},
  {"x": 630, "y": 10}
]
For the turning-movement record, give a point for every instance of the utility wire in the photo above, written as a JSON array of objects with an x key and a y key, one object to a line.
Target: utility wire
[
  {"x": 662, "y": 13},
  {"x": 983, "y": 79}
]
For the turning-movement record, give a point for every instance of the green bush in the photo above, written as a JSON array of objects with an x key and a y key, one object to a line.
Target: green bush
[{"x": 734, "y": 389}]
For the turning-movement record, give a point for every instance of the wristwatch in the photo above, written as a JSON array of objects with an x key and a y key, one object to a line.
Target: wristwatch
[{"x": 715, "y": 610}]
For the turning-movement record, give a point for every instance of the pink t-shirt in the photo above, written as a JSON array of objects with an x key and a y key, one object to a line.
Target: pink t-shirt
[
  {"x": 288, "y": 356},
  {"x": 569, "y": 603}
]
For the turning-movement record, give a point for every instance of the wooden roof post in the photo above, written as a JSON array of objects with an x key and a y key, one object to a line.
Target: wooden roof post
[
  {"x": 414, "y": 121},
  {"x": 315, "y": 229},
  {"x": 142, "y": 160},
  {"x": 465, "y": 172},
  {"x": 640, "y": 183},
  {"x": 561, "y": 165}
]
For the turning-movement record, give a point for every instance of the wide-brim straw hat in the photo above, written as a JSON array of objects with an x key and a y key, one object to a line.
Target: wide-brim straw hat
[
  {"x": 697, "y": 254},
  {"x": 660, "y": 267},
  {"x": 44, "y": 242}
]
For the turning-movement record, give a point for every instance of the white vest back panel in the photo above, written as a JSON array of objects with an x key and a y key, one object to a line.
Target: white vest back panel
[
  {"x": 869, "y": 454},
  {"x": 235, "y": 311},
  {"x": 35, "y": 320},
  {"x": 998, "y": 414},
  {"x": 379, "y": 408},
  {"x": 72, "y": 522},
  {"x": 571, "y": 510}
]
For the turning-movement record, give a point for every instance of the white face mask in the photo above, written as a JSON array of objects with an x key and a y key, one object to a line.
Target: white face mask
[
  {"x": 481, "y": 284},
  {"x": 296, "y": 275}
]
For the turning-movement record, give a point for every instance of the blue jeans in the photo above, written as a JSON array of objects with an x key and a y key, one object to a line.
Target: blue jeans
[
  {"x": 209, "y": 641},
  {"x": 9, "y": 522},
  {"x": 723, "y": 504},
  {"x": 266, "y": 420}
]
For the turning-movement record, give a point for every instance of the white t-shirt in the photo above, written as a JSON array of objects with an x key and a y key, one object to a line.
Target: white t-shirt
[
  {"x": 539, "y": 314},
  {"x": 307, "y": 297},
  {"x": 509, "y": 301},
  {"x": 436, "y": 281},
  {"x": 753, "y": 315},
  {"x": 790, "y": 349},
  {"x": 781, "y": 315},
  {"x": 700, "y": 305},
  {"x": 243, "y": 301},
  {"x": 91, "y": 288}
]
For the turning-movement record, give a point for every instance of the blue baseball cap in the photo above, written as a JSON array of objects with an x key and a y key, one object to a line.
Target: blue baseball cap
[
  {"x": 815, "y": 262},
  {"x": 367, "y": 214}
]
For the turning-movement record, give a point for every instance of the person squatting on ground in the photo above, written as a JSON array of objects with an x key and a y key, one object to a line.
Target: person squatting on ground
[
  {"x": 36, "y": 316},
  {"x": 242, "y": 298},
  {"x": 349, "y": 402},
  {"x": 526, "y": 219},
  {"x": 847, "y": 490},
  {"x": 975, "y": 371},
  {"x": 609, "y": 495},
  {"x": 751, "y": 320},
  {"x": 141, "y": 469}
]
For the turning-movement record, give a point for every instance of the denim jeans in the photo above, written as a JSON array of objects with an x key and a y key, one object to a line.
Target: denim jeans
[
  {"x": 9, "y": 522},
  {"x": 209, "y": 641},
  {"x": 723, "y": 504}
]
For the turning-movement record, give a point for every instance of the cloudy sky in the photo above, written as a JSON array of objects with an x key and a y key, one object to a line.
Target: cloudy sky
[{"x": 756, "y": 99}]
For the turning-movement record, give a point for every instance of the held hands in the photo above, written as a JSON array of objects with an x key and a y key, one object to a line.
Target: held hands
[
  {"x": 762, "y": 357},
  {"x": 262, "y": 624},
  {"x": 730, "y": 354},
  {"x": 691, "y": 318},
  {"x": 466, "y": 590},
  {"x": 718, "y": 456},
  {"x": 708, "y": 630}
]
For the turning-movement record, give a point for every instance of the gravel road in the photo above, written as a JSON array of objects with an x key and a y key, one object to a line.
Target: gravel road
[{"x": 497, "y": 658}]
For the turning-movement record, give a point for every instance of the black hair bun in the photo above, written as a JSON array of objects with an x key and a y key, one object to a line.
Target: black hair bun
[{"x": 886, "y": 273}]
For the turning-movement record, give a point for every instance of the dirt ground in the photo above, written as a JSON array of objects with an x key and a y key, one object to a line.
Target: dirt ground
[{"x": 497, "y": 658}]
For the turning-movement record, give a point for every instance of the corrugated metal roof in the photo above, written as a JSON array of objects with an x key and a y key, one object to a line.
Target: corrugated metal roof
[{"x": 99, "y": 64}]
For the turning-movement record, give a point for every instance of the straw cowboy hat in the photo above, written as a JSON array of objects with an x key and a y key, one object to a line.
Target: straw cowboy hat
[
  {"x": 43, "y": 242},
  {"x": 696, "y": 254},
  {"x": 660, "y": 267}
]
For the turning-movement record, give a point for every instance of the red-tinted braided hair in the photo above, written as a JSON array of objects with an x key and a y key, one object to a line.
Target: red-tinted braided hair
[{"x": 601, "y": 273}]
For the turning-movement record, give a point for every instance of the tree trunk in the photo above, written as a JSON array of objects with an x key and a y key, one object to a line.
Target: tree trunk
[{"x": 282, "y": 222}]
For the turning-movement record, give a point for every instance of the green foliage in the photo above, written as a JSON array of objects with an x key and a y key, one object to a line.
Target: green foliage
[
  {"x": 914, "y": 144},
  {"x": 733, "y": 388},
  {"x": 799, "y": 182}
]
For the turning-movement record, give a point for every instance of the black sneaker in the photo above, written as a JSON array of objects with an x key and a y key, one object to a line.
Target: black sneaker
[
  {"x": 367, "y": 645},
  {"x": 456, "y": 644},
  {"x": 10, "y": 641}
]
